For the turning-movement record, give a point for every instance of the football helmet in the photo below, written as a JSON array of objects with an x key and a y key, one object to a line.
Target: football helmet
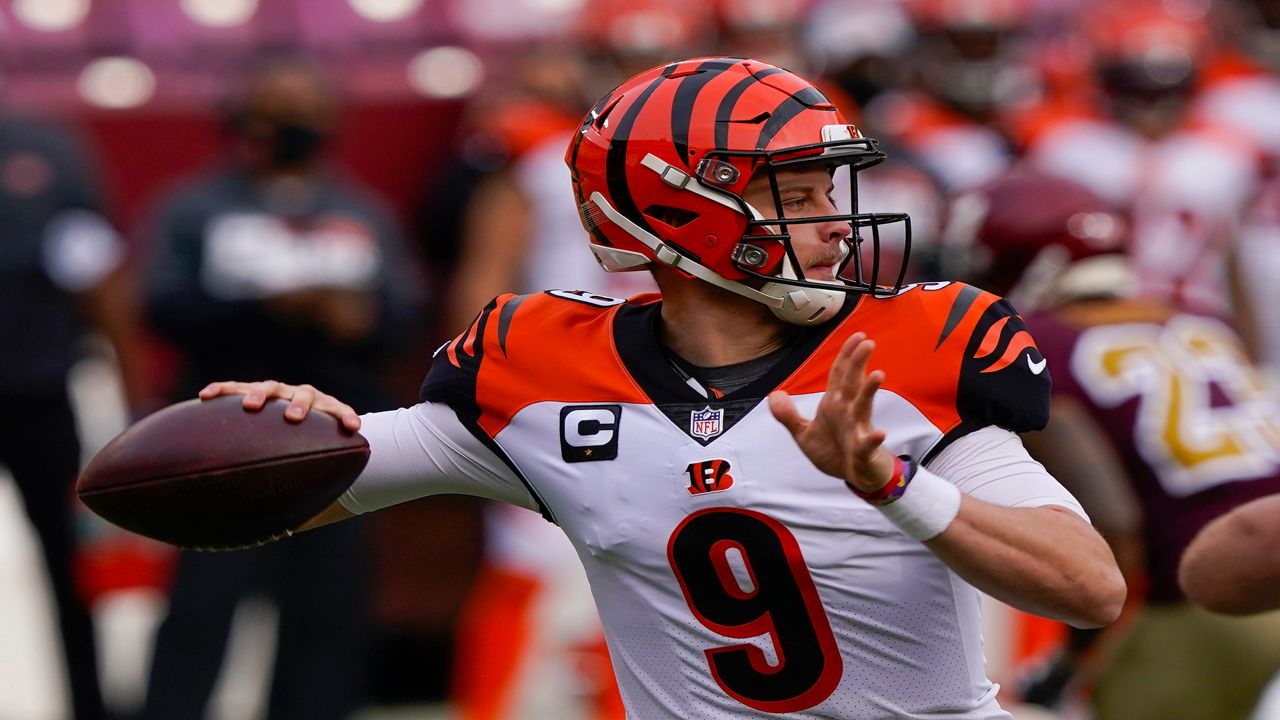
[
  {"x": 974, "y": 55},
  {"x": 660, "y": 165},
  {"x": 1143, "y": 52},
  {"x": 1038, "y": 240}
]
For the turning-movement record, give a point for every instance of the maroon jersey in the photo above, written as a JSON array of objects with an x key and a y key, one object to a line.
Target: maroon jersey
[{"x": 1195, "y": 425}]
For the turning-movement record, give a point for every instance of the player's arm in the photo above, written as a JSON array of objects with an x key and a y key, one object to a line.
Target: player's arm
[
  {"x": 1232, "y": 566},
  {"x": 1045, "y": 560},
  {"x": 414, "y": 452}
]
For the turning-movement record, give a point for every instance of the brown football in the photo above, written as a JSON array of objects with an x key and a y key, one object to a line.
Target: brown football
[{"x": 210, "y": 475}]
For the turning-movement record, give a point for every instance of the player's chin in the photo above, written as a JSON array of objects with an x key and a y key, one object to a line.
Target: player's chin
[{"x": 822, "y": 274}]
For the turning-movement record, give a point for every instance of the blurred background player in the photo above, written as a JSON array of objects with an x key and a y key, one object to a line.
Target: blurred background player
[
  {"x": 276, "y": 245},
  {"x": 1159, "y": 423},
  {"x": 969, "y": 70},
  {"x": 62, "y": 272},
  {"x": 1131, "y": 138},
  {"x": 1241, "y": 94}
]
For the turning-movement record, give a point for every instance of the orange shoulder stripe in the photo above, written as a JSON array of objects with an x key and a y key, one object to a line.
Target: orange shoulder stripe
[
  {"x": 920, "y": 335},
  {"x": 550, "y": 349}
]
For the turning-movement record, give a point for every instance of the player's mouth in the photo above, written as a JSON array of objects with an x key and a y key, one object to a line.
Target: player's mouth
[{"x": 824, "y": 269}]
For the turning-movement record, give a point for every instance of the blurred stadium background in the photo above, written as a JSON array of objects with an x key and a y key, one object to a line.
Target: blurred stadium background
[{"x": 962, "y": 87}]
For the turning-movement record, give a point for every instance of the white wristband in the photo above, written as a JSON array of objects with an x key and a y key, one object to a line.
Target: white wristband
[{"x": 926, "y": 508}]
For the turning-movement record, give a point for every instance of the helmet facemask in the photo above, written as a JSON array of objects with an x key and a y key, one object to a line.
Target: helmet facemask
[{"x": 766, "y": 251}]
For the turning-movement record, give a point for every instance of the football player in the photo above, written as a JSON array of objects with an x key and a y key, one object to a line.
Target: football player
[
  {"x": 787, "y": 475},
  {"x": 1159, "y": 423}
]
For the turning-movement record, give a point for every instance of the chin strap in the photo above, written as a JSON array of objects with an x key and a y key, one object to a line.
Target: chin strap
[{"x": 667, "y": 256}]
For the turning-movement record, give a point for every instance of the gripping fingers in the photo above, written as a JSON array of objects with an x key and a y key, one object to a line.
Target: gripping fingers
[
  {"x": 300, "y": 402},
  {"x": 345, "y": 413},
  {"x": 307, "y": 398},
  {"x": 302, "y": 399},
  {"x": 255, "y": 394},
  {"x": 214, "y": 389},
  {"x": 258, "y": 393}
]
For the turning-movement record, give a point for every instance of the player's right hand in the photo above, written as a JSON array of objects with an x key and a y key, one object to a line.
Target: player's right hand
[
  {"x": 302, "y": 399},
  {"x": 841, "y": 439}
]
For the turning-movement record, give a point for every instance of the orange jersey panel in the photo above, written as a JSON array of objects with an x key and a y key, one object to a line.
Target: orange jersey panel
[
  {"x": 550, "y": 348},
  {"x": 933, "y": 342}
]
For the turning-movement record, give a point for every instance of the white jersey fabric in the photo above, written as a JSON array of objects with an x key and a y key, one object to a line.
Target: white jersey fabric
[{"x": 733, "y": 578}]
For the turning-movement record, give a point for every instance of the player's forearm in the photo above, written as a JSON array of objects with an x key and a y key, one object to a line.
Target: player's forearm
[
  {"x": 1230, "y": 567},
  {"x": 1043, "y": 560}
]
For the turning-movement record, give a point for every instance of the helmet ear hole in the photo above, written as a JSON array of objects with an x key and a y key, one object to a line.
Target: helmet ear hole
[{"x": 672, "y": 217}]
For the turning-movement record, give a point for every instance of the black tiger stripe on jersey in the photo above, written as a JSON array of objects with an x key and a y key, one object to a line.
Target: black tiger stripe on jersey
[
  {"x": 504, "y": 320},
  {"x": 959, "y": 307},
  {"x": 686, "y": 97},
  {"x": 616, "y": 158},
  {"x": 1013, "y": 396}
]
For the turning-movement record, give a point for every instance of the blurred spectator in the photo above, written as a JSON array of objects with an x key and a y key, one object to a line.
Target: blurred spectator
[
  {"x": 60, "y": 264},
  {"x": 1257, "y": 30},
  {"x": 1240, "y": 87},
  {"x": 1242, "y": 94},
  {"x": 1255, "y": 265},
  {"x": 767, "y": 30},
  {"x": 624, "y": 37},
  {"x": 277, "y": 267},
  {"x": 860, "y": 45},
  {"x": 970, "y": 71},
  {"x": 1158, "y": 424}
]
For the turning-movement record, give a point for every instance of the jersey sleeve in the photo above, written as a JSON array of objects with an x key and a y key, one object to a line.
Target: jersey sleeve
[
  {"x": 454, "y": 378},
  {"x": 992, "y": 465},
  {"x": 1004, "y": 380},
  {"x": 425, "y": 450},
  {"x": 455, "y": 367}
]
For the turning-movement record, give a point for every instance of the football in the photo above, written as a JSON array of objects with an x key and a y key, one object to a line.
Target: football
[{"x": 210, "y": 475}]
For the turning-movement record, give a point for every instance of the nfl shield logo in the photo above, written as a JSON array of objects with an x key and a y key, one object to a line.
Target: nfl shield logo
[{"x": 705, "y": 423}]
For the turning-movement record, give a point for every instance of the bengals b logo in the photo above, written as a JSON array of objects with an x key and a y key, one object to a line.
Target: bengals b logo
[{"x": 709, "y": 476}]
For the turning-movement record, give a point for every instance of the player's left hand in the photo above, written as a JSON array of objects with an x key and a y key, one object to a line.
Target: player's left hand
[{"x": 840, "y": 440}]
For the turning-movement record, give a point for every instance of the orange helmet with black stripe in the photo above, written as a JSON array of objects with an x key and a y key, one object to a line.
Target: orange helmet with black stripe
[{"x": 660, "y": 165}]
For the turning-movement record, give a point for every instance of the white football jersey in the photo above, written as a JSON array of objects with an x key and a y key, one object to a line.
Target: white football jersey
[{"x": 733, "y": 578}]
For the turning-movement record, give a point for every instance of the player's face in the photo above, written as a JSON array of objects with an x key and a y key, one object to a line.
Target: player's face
[{"x": 805, "y": 193}]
